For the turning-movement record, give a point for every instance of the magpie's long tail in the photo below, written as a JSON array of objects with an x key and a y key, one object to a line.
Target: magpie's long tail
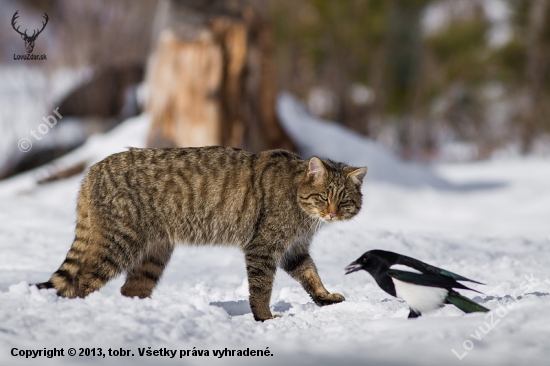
[{"x": 465, "y": 304}]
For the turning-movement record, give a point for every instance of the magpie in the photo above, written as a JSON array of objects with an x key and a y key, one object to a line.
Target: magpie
[{"x": 423, "y": 286}]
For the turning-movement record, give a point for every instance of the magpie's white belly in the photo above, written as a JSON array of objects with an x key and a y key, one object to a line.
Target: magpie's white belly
[{"x": 420, "y": 298}]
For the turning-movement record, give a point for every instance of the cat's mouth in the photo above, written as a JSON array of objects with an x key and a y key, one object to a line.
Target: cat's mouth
[{"x": 330, "y": 218}]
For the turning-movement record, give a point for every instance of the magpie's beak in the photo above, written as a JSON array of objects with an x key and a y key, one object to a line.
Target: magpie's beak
[{"x": 353, "y": 267}]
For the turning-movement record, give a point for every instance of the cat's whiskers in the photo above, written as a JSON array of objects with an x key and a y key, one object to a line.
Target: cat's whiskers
[
  {"x": 312, "y": 224},
  {"x": 318, "y": 225}
]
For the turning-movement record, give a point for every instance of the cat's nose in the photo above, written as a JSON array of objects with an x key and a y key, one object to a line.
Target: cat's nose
[{"x": 332, "y": 215}]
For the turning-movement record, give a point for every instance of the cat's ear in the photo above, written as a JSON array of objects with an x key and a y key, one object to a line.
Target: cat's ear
[
  {"x": 316, "y": 172},
  {"x": 357, "y": 175}
]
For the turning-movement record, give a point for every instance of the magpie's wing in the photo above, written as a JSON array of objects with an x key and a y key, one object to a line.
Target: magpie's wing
[
  {"x": 429, "y": 269},
  {"x": 427, "y": 279}
]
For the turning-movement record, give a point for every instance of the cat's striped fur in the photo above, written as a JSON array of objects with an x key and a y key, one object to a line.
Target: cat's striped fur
[{"x": 134, "y": 207}]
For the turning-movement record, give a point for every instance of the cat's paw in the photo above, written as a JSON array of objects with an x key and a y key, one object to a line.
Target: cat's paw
[
  {"x": 328, "y": 299},
  {"x": 266, "y": 318}
]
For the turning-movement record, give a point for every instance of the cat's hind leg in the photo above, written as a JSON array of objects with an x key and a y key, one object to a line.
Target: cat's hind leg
[{"x": 142, "y": 278}]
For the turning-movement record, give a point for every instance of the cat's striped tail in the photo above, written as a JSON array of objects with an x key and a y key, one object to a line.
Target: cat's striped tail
[{"x": 66, "y": 279}]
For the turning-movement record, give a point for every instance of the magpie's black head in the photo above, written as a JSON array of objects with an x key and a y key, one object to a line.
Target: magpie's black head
[
  {"x": 372, "y": 261},
  {"x": 365, "y": 262}
]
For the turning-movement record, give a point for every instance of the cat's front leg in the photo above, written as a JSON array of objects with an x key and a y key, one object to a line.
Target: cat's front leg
[
  {"x": 260, "y": 269},
  {"x": 301, "y": 267}
]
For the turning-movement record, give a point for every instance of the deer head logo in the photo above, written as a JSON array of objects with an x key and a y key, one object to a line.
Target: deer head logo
[{"x": 29, "y": 40}]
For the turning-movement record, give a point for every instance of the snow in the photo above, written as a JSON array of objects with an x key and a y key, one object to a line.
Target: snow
[
  {"x": 488, "y": 221},
  {"x": 28, "y": 94},
  {"x": 132, "y": 133}
]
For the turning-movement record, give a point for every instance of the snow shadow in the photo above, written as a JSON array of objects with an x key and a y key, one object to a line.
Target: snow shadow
[
  {"x": 242, "y": 307},
  {"x": 233, "y": 308},
  {"x": 508, "y": 298},
  {"x": 281, "y": 307},
  {"x": 474, "y": 186}
]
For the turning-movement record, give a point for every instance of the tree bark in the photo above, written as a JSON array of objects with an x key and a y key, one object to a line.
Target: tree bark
[
  {"x": 536, "y": 69},
  {"x": 212, "y": 78}
]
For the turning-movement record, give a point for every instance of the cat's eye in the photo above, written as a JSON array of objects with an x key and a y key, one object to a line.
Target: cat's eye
[
  {"x": 323, "y": 197},
  {"x": 343, "y": 202}
]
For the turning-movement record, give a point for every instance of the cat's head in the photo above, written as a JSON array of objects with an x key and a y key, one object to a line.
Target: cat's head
[{"x": 331, "y": 191}]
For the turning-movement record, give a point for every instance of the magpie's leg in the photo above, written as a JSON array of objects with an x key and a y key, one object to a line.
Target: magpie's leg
[{"x": 413, "y": 314}]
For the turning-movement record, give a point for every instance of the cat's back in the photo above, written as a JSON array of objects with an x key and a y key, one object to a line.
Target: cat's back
[
  {"x": 151, "y": 160},
  {"x": 212, "y": 165},
  {"x": 207, "y": 194}
]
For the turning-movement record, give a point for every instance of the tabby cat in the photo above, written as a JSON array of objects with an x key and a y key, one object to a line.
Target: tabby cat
[{"x": 134, "y": 206}]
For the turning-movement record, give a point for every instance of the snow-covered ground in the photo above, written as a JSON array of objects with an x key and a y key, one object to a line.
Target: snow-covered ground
[{"x": 489, "y": 221}]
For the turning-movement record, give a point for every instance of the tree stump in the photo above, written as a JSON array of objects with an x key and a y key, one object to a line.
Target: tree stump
[{"x": 212, "y": 79}]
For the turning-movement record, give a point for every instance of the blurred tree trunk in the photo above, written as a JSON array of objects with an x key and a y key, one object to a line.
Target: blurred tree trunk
[
  {"x": 212, "y": 78},
  {"x": 535, "y": 72},
  {"x": 406, "y": 53}
]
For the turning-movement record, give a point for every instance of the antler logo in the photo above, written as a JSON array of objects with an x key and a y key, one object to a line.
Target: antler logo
[{"x": 29, "y": 40}]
